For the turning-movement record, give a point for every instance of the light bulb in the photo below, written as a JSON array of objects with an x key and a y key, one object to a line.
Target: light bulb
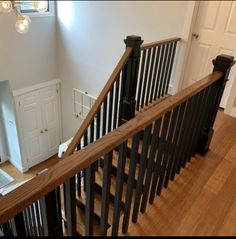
[
  {"x": 41, "y": 6},
  {"x": 22, "y": 24},
  {"x": 5, "y": 6}
]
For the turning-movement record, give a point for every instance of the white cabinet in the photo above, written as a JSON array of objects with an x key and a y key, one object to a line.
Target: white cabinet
[{"x": 39, "y": 120}]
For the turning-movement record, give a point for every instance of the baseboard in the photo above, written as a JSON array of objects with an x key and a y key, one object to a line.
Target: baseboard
[
  {"x": 19, "y": 167},
  {"x": 171, "y": 90}
]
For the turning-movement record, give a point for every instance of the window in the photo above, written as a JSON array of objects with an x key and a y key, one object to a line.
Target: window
[{"x": 30, "y": 8}]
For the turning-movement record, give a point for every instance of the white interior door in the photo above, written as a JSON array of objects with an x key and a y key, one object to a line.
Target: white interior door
[
  {"x": 31, "y": 120},
  {"x": 214, "y": 34},
  {"x": 49, "y": 105}
]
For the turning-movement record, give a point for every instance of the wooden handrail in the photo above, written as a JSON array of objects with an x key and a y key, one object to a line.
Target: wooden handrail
[
  {"x": 25, "y": 195},
  {"x": 159, "y": 43},
  {"x": 81, "y": 131}
]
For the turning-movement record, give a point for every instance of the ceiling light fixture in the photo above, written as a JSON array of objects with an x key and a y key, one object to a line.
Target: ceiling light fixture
[{"x": 23, "y": 21}]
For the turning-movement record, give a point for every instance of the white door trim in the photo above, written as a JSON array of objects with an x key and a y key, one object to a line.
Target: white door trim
[
  {"x": 35, "y": 87},
  {"x": 185, "y": 45}
]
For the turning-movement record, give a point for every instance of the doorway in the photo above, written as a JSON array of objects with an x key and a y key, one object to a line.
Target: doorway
[{"x": 214, "y": 33}]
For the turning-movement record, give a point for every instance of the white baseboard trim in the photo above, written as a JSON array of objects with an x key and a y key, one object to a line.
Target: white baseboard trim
[
  {"x": 18, "y": 166},
  {"x": 171, "y": 90},
  {"x": 233, "y": 112}
]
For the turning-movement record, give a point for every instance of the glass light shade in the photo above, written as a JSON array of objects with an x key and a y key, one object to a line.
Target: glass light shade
[
  {"x": 41, "y": 6},
  {"x": 5, "y": 6},
  {"x": 22, "y": 24}
]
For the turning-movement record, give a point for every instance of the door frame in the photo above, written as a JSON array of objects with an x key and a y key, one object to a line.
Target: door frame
[
  {"x": 229, "y": 109},
  {"x": 17, "y": 94}
]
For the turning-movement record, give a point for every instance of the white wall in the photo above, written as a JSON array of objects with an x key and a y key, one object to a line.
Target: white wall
[
  {"x": 8, "y": 120},
  {"x": 29, "y": 58},
  {"x": 90, "y": 40}
]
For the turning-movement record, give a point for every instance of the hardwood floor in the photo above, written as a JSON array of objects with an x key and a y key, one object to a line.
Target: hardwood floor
[
  {"x": 202, "y": 199},
  {"x": 20, "y": 177}
]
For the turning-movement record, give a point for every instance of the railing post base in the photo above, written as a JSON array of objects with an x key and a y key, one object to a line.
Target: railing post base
[
  {"x": 203, "y": 146},
  {"x": 130, "y": 78},
  {"x": 222, "y": 63}
]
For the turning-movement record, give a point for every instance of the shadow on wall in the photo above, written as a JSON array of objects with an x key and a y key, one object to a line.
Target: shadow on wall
[{"x": 9, "y": 135}]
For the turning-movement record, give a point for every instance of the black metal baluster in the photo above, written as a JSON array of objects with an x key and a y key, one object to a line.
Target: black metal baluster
[
  {"x": 98, "y": 122},
  {"x": 160, "y": 66},
  {"x": 19, "y": 223},
  {"x": 190, "y": 130},
  {"x": 121, "y": 95},
  {"x": 184, "y": 134},
  {"x": 194, "y": 126},
  {"x": 51, "y": 214},
  {"x": 203, "y": 108},
  {"x": 141, "y": 79},
  {"x": 167, "y": 69},
  {"x": 150, "y": 165},
  {"x": 70, "y": 207},
  {"x": 110, "y": 119},
  {"x": 145, "y": 78},
  {"x": 159, "y": 156},
  {"x": 174, "y": 144},
  {"x": 107, "y": 171},
  {"x": 163, "y": 71},
  {"x": 104, "y": 118},
  {"x": 117, "y": 86},
  {"x": 89, "y": 208},
  {"x": 167, "y": 149},
  {"x": 171, "y": 67},
  {"x": 142, "y": 168},
  {"x": 179, "y": 141},
  {"x": 150, "y": 77},
  {"x": 154, "y": 86},
  {"x": 119, "y": 188},
  {"x": 26, "y": 223},
  {"x": 131, "y": 180}
]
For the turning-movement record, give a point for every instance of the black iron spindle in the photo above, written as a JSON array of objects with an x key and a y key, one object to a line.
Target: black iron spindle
[
  {"x": 89, "y": 208},
  {"x": 150, "y": 164},
  {"x": 159, "y": 156},
  {"x": 119, "y": 188},
  {"x": 167, "y": 149},
  {"x": 131, "y": 181},
  {"x": 142, "y": 167},
  {"x": 107, "y": 171}
]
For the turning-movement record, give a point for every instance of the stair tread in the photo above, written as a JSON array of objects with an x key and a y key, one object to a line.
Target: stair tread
[
  {"x": 127, "y": 164},
  {"x": 99, "y": 180},
  {"x": 97, "y": 205},
  {"x": 80, "y": 224}
]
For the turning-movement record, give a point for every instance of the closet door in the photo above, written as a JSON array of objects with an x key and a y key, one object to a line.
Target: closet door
[
  {"x": 33, "y": 134},
  {"x": 50, "y": 112}
]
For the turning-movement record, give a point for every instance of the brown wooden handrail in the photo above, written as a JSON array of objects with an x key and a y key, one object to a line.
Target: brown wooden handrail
[
  {"x": 159, "y": 43},
  {"x": 81, "y": 131},
  {"x": 25, "y": 195}
]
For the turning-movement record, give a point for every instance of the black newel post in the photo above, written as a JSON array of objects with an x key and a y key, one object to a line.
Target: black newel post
[
  {"x": 222, "y": 63},
  {"x": 130, "y": 77}
]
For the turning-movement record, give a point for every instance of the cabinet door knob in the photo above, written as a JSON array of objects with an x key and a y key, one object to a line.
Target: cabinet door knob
[
  {"x": 195, "y": 35},
  {"x": 46, "y": 130},
  {"x": 41, "y": 132}
]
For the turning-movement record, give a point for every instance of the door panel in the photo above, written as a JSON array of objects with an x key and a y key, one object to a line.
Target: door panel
[
  {"x": 216, "y": 27},
  {"x": 51, "y": 118},
  {"x": 30, "y": 113}
]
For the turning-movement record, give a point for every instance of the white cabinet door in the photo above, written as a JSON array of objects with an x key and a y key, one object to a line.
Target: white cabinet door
[
  {"x": 31, "y": 121},
  {"x": 50, "y": 112}
]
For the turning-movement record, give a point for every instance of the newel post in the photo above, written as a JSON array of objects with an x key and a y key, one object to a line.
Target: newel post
[
  {"x": 130, "y": 77},
  {"x": 222, "y": 63}
]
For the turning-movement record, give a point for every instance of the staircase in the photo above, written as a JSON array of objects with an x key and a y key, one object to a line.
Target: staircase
[{"x": 135, "y": 139}]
